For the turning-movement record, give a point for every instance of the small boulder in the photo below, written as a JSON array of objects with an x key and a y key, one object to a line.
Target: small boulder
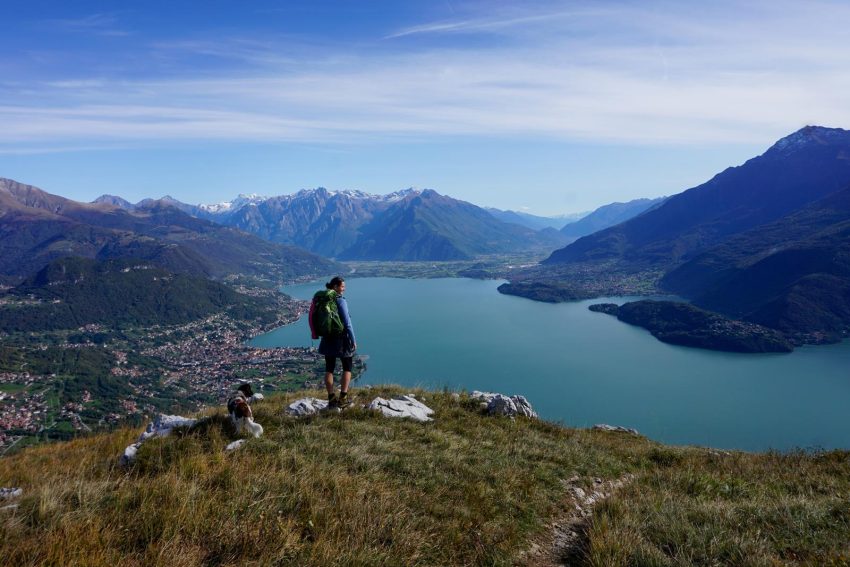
[
  {"x": 163, "y": 424},
  {"x": 500, "y": 404},
  {"x": 402, "y": 406},
  {"x": 615, "y": 428},
  {"x": 159, "y": 427},
  {"x": 306, "y": 406},
  {"x": 9, "y": 493},
  {"x": 235, "y": 445},
  {"x": 256, "y": 398}
]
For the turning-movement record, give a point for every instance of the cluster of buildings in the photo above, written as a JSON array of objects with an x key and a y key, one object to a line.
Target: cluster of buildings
[
  {"x": 23, "y": 411},
  {"x": 193, "y": 364}
]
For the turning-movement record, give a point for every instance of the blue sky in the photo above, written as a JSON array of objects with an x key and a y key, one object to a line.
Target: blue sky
[{"x": 544, "y": 106}]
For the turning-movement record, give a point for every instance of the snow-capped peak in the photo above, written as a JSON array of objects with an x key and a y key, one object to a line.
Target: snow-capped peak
[
  {"x": 228, "y": 206},
  {"x": 805, "y": 136},
  {"x": 243, "y": 200}
]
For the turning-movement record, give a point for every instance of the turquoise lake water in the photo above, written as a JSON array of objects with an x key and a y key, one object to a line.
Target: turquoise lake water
[{"x": 580, "y": 368}]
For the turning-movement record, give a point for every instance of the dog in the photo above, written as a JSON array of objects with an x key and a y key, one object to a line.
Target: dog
[{"x": 240, "y": 410}]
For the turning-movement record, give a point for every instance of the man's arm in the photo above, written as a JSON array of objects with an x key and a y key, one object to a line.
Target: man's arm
[{"x": 342, "y": 305}]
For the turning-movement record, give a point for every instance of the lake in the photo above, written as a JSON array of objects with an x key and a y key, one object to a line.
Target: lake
[{"x": 581, "y": 368}]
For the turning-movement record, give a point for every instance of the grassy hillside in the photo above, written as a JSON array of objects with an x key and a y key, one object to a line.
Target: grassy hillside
[{"x": 466, "y": 489}]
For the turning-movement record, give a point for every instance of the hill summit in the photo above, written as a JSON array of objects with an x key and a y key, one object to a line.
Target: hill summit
[{"x": 357, "y": 488}]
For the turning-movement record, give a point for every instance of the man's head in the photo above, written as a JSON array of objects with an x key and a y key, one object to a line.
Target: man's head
[{"x": 337, "y": 284}]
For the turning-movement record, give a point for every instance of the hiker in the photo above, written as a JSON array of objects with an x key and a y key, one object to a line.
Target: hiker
[{"x": 336, "y": 343}]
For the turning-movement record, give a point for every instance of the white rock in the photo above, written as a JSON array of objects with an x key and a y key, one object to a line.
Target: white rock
[
  {"x": 482, "y": 396},
  {"x": 500, "y": 404},
  {"x": 163, "y": 424},
  {"x": 256, "y": 398},
  {"x": 159, "y": 427},
  {"x": 306, "y": 406},
  {"x": 9, "y": 493},
  {"x": 235, "y": 445},
  {"x": 402, "y": 406},
  {"x": 129, "y": 454},
  {"x": 615, "y": 428},
  {"x": 523, "y": 407}
]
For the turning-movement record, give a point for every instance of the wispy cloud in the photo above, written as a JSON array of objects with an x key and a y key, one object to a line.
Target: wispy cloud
[
  {"x": 477, "y": 24},
  {"x": 632, "y": 75},
  {"x": 99, "y": 24}
]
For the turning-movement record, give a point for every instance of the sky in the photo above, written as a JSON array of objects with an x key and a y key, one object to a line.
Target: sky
[{"x": 544, "y": 106}]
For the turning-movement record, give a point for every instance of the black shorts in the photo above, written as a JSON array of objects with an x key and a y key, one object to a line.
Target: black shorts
[{"x": 347, "y": 363}]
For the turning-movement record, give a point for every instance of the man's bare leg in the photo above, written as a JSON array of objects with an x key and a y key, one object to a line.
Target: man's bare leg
[{"x": 346, "y": 380}]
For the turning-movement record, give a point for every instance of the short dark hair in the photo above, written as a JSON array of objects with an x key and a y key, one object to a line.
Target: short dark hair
[{"x": 335, "y": 282}]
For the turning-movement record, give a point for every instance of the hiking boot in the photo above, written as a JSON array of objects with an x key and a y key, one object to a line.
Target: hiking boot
[
  {"x": 344, "y": 400},
  {"x": 333, "y": 401}
]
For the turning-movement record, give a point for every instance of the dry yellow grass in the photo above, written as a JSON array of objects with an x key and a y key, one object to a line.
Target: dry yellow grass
[{"x": 360, "y": 489}]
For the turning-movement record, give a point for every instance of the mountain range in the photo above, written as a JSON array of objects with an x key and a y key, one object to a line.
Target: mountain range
[
  {"x": 37, "y": 227},
  {"x": 411, "y": 224},
  {"x": 535, "y": 222},
  {"x": 767, "y": 241},
  {"x": 609, "y": 215},
  {"x": 799, "y": 169}
]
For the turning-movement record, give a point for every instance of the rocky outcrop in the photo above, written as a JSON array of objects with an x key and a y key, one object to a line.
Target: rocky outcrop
[
  {"x": 162, "y": 426},
  {"x": 306, "y": 406},
  {"x": 399, "y": 406},
  {"x": 500, "y": 404},
  {"x": 615, "y": 428},
  {"x": 9, "y": 493},
  {"x": 402, "y": 406}
]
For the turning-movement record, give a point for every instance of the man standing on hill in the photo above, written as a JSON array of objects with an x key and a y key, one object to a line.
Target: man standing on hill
[{"x": 337, "y": 344}]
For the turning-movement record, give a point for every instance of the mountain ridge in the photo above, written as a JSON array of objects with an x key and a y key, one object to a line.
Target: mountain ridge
[
  {"x": 766, "y": 242},
  {"x": 702, "y": 216},
  {"x": 341, "y": 223},
  {"x": 38, "y": 227}
]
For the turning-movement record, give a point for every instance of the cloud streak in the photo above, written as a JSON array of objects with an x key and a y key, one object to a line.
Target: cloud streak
[
  {"x": 98, "y": 24},
  {"x": 628, "y": 76},
  {"x": 477, "y": 25}
]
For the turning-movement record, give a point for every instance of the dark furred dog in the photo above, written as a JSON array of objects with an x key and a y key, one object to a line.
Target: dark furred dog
[{"x": 240, "y": 411}]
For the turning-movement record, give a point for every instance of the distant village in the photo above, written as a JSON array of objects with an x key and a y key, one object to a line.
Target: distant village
[{"x": 199, "y": 363}]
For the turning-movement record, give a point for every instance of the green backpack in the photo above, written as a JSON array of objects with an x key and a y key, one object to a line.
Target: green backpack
[{"x": 325, "y": 321}]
